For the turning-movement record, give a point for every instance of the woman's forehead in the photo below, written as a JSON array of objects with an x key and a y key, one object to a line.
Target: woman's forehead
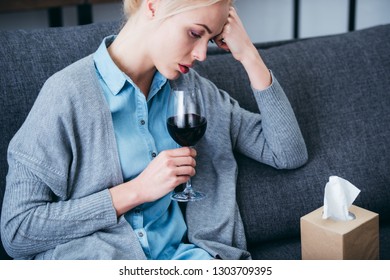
[{"x": 211, "y": 17}]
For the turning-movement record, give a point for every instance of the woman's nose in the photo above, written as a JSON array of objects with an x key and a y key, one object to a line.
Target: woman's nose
[{"x": 199, "y": 53}]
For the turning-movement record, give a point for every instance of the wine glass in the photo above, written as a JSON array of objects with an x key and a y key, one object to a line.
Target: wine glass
[{"x": 186, "y": 124}]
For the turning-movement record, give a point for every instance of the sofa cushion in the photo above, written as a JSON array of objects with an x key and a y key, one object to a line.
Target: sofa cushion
[{"x": 339, "y": 87}]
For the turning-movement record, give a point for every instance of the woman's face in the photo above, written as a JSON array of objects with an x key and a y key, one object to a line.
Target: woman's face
[{"x": 182, "y": 39}]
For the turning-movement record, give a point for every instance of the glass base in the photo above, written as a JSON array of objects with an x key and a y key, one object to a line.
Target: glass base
[{"x": 188, "y": 196}]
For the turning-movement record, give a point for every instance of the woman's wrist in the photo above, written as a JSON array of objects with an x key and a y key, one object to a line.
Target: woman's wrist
[
  {"x": 125, "y": 197},
  {"x": 258, "y": 73}
]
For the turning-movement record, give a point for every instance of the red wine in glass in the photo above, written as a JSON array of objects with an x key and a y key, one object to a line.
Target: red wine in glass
[
  {"x": 189, "y": 132},
  {"x": 186, "y": 124}
]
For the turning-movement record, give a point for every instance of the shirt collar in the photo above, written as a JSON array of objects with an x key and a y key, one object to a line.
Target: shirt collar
[
  {"x": 114, "y": 78},
  {"x": 158, "y": 82},
  {"x": 110, "y": 73}
]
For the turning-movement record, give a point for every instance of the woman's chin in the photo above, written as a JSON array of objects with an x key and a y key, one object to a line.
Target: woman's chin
[{"x": 173, "y": 76}]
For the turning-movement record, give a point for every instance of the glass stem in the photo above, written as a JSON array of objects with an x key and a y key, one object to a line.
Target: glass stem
[{"x": 188, "y": 189}]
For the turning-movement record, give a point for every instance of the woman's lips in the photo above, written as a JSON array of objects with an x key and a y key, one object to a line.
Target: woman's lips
[{"x": 184, "y": 68}]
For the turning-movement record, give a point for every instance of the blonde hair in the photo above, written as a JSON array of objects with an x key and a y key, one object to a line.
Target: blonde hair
[{"x": 171, "y": 7}]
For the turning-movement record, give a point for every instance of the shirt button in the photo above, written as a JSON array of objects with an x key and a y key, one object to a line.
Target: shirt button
[
  {"x": 142, "y": 122},
  {"x": 140, "y": 234},
  {"x": 154, "y": 155}
]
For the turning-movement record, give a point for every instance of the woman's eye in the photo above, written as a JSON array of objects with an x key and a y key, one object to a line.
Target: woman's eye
[{"x": 195, "y": 34}]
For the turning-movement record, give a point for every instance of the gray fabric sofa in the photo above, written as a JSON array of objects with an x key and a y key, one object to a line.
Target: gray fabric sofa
[{"x": 339, "y": 87}]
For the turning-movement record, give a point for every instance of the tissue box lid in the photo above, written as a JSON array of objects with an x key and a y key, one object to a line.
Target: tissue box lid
[{"x": 340, "y": 227}]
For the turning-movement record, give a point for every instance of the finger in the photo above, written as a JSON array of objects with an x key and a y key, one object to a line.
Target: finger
[
  {"x": 171, "y": 164},
  {"x": 185, "y": 161},
  {"x": 232, "y": 11},
  {"x": 181, "y": 180},
  {"x": 179, "y": 152},
  {"x": 220, "y": 42},
  {"x": 185, "y": 171},
  {"x": 223, "y": 46}
]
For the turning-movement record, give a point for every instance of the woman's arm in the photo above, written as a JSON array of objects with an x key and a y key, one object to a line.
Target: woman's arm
[
  {"x": 34, "y": 219},
  {"x": 273, "y": 137}
]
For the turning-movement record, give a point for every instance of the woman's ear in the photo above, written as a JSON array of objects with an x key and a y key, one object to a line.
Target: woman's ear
[{"x": 151, "y": 7}]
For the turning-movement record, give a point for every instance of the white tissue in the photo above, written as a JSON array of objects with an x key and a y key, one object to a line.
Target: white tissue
[{"x": 338, "y": 198}]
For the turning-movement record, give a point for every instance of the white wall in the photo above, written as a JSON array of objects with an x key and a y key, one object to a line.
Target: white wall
[
  {"x": 268, "y": 20},
  {"x": 265, "y": 20},
  {"x": 323, "y": 17},
  {"x": 372, "y": 12}
]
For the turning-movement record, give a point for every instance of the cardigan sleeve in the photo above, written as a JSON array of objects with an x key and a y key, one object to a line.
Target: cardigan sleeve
[
  {"x": 56, "y": 188},
  {"x": 272, "y": 137},
  {"x": 34, "y": 221}
]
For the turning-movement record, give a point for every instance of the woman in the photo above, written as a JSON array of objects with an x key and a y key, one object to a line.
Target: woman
[{"x": 92, "y": 168}]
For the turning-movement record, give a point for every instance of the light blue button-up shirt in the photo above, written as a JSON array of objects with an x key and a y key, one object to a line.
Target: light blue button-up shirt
[{"x": 141, "y": 133}]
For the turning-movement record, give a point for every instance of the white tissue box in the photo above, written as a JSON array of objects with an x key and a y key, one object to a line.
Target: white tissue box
[{"x": 326, "y": 239}]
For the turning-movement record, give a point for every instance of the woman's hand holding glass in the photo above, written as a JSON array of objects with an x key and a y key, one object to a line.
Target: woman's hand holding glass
[{"x": 168, "y": 170}]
